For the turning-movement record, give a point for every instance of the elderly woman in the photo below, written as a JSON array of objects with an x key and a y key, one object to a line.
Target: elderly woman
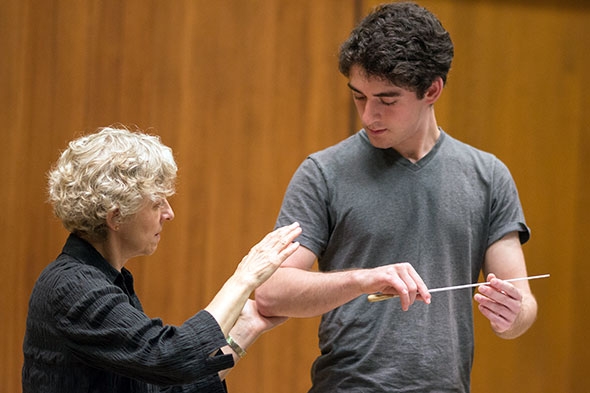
[{"x": 86, "y": 330}]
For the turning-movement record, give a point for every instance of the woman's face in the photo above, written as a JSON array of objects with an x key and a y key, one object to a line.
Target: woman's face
[{"x": 140, "y": 234}]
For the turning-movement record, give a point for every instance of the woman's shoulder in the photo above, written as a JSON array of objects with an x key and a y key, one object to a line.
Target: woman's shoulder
[{"x": 68, "y": 274}]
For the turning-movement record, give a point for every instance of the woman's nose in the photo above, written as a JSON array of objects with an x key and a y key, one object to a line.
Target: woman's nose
[{"x": 167, "y": 211}]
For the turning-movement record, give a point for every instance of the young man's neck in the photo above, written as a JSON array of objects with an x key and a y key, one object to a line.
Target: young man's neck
[{"x": 420, "y": 146}]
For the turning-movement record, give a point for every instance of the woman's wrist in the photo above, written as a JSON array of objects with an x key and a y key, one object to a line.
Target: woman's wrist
[
  {"x": 227, "y": 304},
  {"x": 233, "y": 344},
  {"x": 244, "y": 334}
]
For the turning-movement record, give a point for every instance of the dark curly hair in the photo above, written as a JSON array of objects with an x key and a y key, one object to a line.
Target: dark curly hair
[{"x": 400, "y": 42}]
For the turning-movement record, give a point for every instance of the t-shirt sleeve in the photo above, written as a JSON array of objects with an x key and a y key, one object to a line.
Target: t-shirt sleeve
[
  {"x": 306, "y": 201},
  {"x": 506, "y": 213}
]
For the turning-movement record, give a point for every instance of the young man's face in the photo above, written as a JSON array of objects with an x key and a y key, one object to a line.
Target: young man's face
[{"x": 392, "y": 116}]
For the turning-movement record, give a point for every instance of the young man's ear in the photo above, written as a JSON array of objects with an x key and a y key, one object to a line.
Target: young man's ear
[{"x": 434, "y": 91}]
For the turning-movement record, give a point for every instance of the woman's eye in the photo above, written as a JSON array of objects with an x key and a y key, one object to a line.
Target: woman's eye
[{"x": 358, "y": 98}]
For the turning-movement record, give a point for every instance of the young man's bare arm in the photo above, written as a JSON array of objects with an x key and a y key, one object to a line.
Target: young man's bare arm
[
  {"x": 296, "y": 291},
  {"x": 510, "y": 307}
]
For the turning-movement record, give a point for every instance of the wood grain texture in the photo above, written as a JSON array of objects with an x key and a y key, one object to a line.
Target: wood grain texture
[
  {"x": 243, "y": 91},
  {"x": 517, "y": 89}
]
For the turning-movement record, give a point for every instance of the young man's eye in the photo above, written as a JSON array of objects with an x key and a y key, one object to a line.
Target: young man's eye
[
  {"x": 358, "y": 98},
  {"x": 388, "y": 103}
]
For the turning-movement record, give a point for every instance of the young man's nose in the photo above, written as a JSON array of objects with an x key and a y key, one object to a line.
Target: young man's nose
[{"x": 370, "y": 113}]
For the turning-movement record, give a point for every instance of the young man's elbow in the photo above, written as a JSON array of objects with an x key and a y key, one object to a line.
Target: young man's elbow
[{"x": 265, "y": 302}]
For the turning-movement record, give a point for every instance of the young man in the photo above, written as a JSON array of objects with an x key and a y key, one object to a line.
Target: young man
[{"x": 397, "y": 207}]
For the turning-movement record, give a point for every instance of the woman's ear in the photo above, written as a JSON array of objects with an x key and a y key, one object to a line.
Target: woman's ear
[
  {"x": 114, "y": 219},
  {"x": 434, "y": 91}
]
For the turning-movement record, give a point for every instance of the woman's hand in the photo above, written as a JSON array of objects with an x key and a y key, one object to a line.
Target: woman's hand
[
  {"x": 254, "y": 269},
  {"x": 249, "y": 326},
  {"x": 266, "y": 256},
  {"x": 255, "y": 324}
]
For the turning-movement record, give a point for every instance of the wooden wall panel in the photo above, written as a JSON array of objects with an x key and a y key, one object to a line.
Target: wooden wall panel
[
  {"x": 243, "y": 91},
  {"x": 517, "y": 89}
]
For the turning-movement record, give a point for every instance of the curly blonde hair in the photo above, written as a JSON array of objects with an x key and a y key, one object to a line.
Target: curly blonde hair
[{"x": 111, "y": 169}]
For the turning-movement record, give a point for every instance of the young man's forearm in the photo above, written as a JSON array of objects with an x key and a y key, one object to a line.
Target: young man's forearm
[{"x": 299, "y": 293}]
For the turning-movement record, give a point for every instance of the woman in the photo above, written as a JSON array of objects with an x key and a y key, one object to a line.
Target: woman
[{"x": 86, "y": 330}]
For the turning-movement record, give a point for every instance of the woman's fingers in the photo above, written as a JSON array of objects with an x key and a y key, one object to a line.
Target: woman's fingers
[{"x": 267, "y": 255}]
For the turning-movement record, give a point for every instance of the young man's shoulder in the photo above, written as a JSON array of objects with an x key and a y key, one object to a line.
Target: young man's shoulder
[
  {"x": 348, "y": 147},
  {"x": 458, "y": 147}
]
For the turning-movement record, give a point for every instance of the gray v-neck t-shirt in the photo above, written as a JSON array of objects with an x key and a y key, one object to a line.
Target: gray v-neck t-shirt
[{"x": 362, "y": 207}]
